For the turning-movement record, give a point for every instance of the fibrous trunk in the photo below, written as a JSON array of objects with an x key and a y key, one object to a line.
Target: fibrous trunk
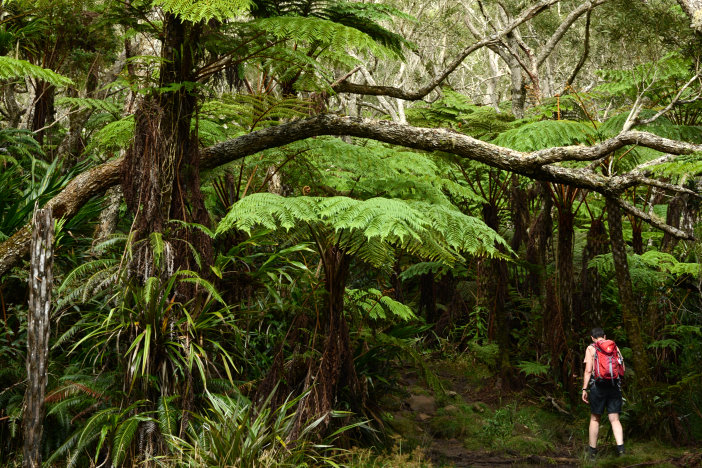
[
  {"x": 161, "y": 178},
  {"x": 40, "y": 283},
  {"x": 630, "y": 318}
]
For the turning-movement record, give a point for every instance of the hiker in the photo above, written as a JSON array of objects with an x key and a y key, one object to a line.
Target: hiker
[{"x": 604, "y": 367}]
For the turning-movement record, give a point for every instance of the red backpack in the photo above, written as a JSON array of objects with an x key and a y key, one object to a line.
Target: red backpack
[{"x": 609, "y": 364}]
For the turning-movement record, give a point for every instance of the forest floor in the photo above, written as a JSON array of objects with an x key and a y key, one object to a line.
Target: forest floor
[{"x": 463, "y": 418}]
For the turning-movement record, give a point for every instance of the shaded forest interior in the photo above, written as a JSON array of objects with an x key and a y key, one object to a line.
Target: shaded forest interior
[{"x": 307, "y": 232}]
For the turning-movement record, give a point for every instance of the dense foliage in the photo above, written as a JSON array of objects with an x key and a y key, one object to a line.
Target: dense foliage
[{"x": 252, "y": 311}]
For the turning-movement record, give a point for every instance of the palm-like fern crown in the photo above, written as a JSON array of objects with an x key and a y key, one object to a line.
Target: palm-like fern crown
[
  {"x": 363, "y": 17},
  {"x": 370, "y": 229}
]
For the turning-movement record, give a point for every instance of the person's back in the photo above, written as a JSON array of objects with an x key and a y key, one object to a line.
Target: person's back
[{"x": 602, "y": 379}]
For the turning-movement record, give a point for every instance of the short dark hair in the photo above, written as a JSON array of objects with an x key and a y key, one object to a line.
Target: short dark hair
[{"x": 597, "y": 332}]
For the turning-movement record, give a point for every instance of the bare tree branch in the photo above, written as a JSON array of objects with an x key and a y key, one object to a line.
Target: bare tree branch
[
  {"x": 654, "y": 220},
  {"x": 391, "y": 91},
  {"x": 583, "y": 58},
  {"x": 558, "y": 34}
]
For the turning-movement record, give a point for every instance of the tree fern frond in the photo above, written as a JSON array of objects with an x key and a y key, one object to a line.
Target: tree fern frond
[
  {"x": 378, "y": 306},
  {"x": 430, "y": 231},
  {"x": 309, "y": 30},
  {"x": 11, "y": 68},
  {"x": 688, "y": 164},
  {"x": 89, "y": 103},
  {"x": 546, "y": 134},
  {"x": 205, "y": 10},
  {"x": 423, "y": 268},
  {"x": 113, "y": 136}
]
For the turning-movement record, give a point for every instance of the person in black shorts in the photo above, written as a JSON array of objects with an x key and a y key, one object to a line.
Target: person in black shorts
[{"x": 601, "y": 395}]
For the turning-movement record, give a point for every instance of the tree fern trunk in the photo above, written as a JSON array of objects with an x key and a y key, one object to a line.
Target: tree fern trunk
[
  {"x": 630, "y": 317},
  {"x": 161, "y": 178},
  {"x": 495, "y": 279},
  {"x": 335, "y": 368},
  {"x": 587, "y": 311},
  {"x": 43, "y": 109},
  {"x": 676, "y": 207},
  {"x": 564, "y": 263},
  {"x": 40, "y": 282}
]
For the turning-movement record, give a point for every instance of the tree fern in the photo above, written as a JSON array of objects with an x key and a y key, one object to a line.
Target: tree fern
[
  {"x": 89, "y": 103},
  {"x": 326, "y": 33},
  {"x": 684, "y": 165},
  {"x": 11, "y": 68},
  {"x": 629, "y": 82},
  {"x": 113, "y": 136},
  {"x": 369, "y": 227},
  {"x": 205, "y": 10},
  {"x": 546, "y": 134},
  {"x": 378, "y": 306},
  {"x": 364, "y": 17},
  {"x": 248, "y": 112},
  {"x": 455, "y": 110}
]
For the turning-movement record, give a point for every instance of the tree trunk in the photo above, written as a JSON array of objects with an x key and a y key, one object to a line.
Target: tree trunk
[
  {"x": 540, "y": 232},
  {"x": 40, "y": 282},
  {"x": 161, "y": 178},
  {"x": 588, "y": 310},
  {"x": 693, "y": 9},
  {"x": 630, "y": 316},
  {"x": 43, "y": 109},
  {"x": 494, "y": 289},
  {"x": 335, "y": 368},
  {"x": 564, "y": 263},
  {"x": 676, "y": 208}
]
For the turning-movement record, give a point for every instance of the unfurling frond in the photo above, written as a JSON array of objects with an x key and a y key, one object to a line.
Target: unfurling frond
[
  {"x": 205, "y": 10},
  {"x": 11, "y": 68}
]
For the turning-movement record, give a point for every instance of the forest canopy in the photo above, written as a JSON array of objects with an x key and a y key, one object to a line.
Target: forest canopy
[{"x": 218, "y": 215}]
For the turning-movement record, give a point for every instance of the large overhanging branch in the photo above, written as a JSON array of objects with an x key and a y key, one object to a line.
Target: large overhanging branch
[
  {"x": 536, "y": 165},
  {"x": 391, "y": 91}
]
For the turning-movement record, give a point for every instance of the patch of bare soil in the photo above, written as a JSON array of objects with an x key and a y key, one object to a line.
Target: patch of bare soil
[{"x": 451, "y": 452}]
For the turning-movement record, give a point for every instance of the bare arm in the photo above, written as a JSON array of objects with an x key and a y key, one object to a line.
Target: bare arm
[{"x": 587, "y": 374}]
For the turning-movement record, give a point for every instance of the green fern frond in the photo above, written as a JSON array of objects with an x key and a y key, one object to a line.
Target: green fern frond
[
  {"x": 423, "y": 268},
  {"x": 167, "y": 414},
  {"x": 688, "y": 164},
  {"x": 378, "y": 306},
  {"x": 113, "y": 136},
  {"x": 123, "y": 438},
  {"x": 205, "y": 10},
  {"x": 533, "y": 368},
  {"x": 326, "y": 33},
  {"x": 546, "y": 134},
  {"x": 89, "y": 103},
  {"x": 250, "y": 112},
  {"x": 628, "y": 82},
  {"x": 368, "y": 227},
  {"x": 11, "y": 68}
]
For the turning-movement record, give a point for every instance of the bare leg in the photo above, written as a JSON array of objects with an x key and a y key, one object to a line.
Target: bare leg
[
  {"x": 595, "y": 429},
  {"x": 616, "y": 428}
]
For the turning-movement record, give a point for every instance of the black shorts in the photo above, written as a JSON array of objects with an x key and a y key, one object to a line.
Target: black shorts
[{"x": 604, "y": 394}]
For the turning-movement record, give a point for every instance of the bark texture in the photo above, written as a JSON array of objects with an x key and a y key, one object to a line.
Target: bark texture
[
  {"x": 693, "y": 9},
  {"x": 40, "y": 282},
  {"x": 630, "y": 315}
]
